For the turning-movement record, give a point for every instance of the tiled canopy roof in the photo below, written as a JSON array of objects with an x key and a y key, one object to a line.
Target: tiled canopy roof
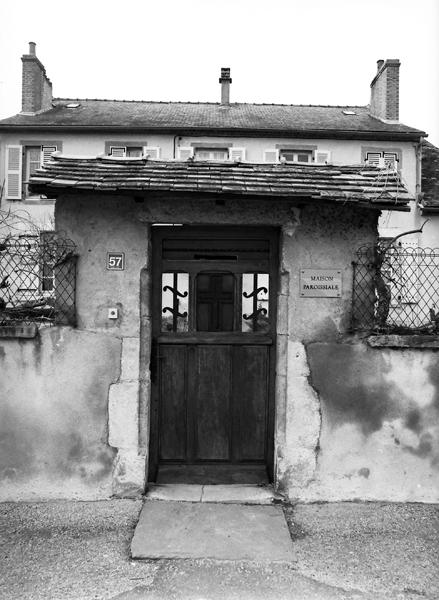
[
  {"x": 113, "y": 115},
  {"x": 358, "y": 185},
  {"x": 430, "y": 177}
]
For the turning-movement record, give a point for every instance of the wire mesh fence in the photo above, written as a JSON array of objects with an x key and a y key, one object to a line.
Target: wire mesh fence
[
  {"x": 37, "y": 280},
  {"x": 396, "y": 289}
]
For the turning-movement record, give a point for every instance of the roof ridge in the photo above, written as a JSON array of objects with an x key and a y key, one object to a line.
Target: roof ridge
[{"x": 197, "y": 103}]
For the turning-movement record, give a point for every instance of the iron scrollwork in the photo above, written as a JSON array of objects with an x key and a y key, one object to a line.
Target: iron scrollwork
[
  {"x": 257, "y": 312},
  {"x": 175, "y": 309}
]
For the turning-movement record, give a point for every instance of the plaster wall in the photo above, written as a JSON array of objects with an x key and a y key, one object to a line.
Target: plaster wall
[
  {"x": 53, "y": 415},
  {"x": 380, "y": 423}
]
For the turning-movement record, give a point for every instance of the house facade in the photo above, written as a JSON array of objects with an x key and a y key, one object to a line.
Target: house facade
[{"x": 213, "y": 307}]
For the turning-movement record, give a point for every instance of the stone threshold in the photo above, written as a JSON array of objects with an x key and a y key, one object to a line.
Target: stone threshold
[{"x": 224, "y": 494}]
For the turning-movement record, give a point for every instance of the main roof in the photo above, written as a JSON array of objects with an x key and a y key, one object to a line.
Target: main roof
[
  {"x": 236, "y": 118},
  {"x": 358, "y": 185}
]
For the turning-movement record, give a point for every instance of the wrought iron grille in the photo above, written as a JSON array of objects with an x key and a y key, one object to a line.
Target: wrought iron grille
[
  {"x": 396, "y": 291},
  {"x": 37, "y": 280}
]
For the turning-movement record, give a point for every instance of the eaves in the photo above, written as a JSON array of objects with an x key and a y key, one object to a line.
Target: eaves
[{"x": 400, "y": 136}]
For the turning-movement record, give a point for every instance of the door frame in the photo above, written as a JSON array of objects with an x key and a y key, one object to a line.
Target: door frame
[{"x": 158, "y": 233}]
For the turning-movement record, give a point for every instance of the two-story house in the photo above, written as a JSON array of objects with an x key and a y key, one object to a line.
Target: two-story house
[{"x": 223, "y": 131}]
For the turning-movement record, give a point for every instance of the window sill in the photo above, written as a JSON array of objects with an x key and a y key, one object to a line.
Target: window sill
[
  {"x": 404, "y": 341},
  {"x": 18, "y": 331}
]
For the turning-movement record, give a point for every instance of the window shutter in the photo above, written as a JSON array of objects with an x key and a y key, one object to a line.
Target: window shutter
[
  {"x": 185, "y": 152},
  {"x": 46, "y": 153},
  {"x": 237, "y": 154},
  {"x": 271, "y": 156},
  {"x": 151, "y": 151},
  {"x": 373, "y": 158},
  {"x": 13, "y": 172},
  {"x": 391, "y": 159},
  {"x": 322, "y": 157},
  {"x": 118, "y": 151}
]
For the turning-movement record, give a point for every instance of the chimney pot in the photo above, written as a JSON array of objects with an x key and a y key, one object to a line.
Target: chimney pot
[
  {"x": 379, "y": 64},
  {"x": 225, "y": 81},
  {"x": 32, "y": 46}
]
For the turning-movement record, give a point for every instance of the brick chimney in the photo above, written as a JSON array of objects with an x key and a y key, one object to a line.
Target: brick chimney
[
  {"x": 225, "y": 81},
  {"x": 384, "y": 90},
  {"x": 36, "y": 86}
]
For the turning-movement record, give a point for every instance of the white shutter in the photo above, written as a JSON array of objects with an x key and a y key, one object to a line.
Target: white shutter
[
  {"x": 151, "y": 152},
  {"x": 118, "y": 151},
  {"x": 391, "y": 159},
  {"x": 46, "y": 153},
  {"x": 322, "y": 157},
  {"x": 185, "y": 152},
  {"x": 271, "y": 156},
  {"x": 373, "y": 158},
  {"x": 13, "y": 172},
  {"x": 237, "y": 154}
]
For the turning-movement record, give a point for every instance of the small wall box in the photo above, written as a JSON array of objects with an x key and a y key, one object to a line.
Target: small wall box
[{"x": 115, "y": 261}]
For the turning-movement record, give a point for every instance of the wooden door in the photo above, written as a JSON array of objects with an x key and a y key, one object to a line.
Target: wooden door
[{"x": 213, "y": 344}]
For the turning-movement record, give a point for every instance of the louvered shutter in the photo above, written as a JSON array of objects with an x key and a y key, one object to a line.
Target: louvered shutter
[
  {"x": 13, "y": 172},
  {"x": 390, "y": 159},
  {"x": 271, "y": 156},
  {"x": 185, "y": 152},
  {"x": 373, "y": 158},
  {"x": 46, "y": 153},
  {"x": 237, "y": 154},
  {"x": 152, "y": 152},
  {"x": 322, "y": 157},
  {"x": 118, "y": 151}
]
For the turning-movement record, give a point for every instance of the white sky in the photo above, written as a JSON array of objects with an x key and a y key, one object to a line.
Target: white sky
[{"x": 281, "y": 51}]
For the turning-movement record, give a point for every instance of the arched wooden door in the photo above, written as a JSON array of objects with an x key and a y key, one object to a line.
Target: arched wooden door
[{"x": 214, "y": 306}]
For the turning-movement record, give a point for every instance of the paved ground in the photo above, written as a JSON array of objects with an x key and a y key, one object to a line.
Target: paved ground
[{"x": 347, "y": 551}]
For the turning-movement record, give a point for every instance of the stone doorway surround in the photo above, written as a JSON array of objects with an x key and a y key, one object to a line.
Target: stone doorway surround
[{"x": 297, "y": 410}]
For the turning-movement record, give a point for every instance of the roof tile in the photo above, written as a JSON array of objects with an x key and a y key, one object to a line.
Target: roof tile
[{"x": 346, "y": 183}]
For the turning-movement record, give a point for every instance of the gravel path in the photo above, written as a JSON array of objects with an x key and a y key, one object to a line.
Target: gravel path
[{"x": 345, "y": 551}]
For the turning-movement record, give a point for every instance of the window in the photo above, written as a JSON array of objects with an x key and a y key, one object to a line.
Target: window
[
  {"x": 217, "y": 305},
  {"x": 128, "y": 149},
  {"x": 21, "y": 163},
  {"x": 218, "y": 154},
  {"x": 382, "y": 158},
  {"x": 296, "y": 156}
]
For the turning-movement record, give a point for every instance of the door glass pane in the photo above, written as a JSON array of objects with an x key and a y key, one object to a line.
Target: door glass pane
[
  {"x": 175, "y": 301},
  {"x": 255, "y": 301},
  {"x": 215, "y": 301}
]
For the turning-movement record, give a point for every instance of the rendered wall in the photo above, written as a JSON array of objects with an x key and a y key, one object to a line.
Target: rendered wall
[
  {"x": 351, "y": 421},
  {"x": 53, "y": 415}
]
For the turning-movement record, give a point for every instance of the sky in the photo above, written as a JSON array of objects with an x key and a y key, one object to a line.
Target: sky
[{"x": 279, "y": 51}]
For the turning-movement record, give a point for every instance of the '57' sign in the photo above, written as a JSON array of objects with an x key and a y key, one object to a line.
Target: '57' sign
[{"x": 115, "y": 261}]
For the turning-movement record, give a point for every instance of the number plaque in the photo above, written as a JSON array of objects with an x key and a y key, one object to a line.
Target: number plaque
[{"x": 115, "y": 261}]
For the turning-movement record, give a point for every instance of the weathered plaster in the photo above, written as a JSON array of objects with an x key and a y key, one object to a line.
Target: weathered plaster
[
  {"x": 380, "y": 430},
  {"x": 53, "y": 415}
]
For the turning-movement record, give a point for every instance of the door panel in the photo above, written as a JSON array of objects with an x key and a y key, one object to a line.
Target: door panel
[
  {"x": 212, "y": 403},
  {"x": 172, "y": 426},
  {"x": 250, "y": 390}
]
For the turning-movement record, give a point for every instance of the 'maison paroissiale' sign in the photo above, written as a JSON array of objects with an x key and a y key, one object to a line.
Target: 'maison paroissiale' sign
[{"x": 320, "y": 283}]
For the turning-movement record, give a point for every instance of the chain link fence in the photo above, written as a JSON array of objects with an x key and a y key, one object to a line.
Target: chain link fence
[
  {"x": 396, "y": 290},
  {"x": 37, "y": 280}
]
